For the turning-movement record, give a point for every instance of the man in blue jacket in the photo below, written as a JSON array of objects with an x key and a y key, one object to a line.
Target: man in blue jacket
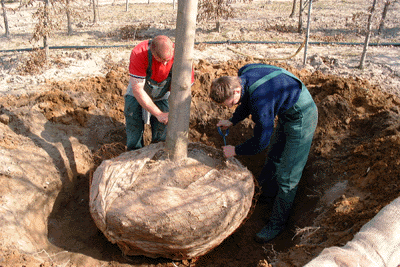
[{"x": 264, "y": 92}]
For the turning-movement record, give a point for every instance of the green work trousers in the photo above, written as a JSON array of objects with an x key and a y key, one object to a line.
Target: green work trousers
[
  {"x": 287, "y": 155},
  {"x": 135, "y": 124}
]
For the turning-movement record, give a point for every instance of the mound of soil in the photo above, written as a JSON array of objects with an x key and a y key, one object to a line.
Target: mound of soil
[{"x": 50, "y": 143}]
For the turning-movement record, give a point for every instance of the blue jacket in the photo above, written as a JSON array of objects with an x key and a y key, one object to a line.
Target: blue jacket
[{"x": 264, "y": 103}]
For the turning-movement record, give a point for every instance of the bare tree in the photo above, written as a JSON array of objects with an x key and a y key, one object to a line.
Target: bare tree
[
  {"x": 68, "y": 12},
  {"x": 216, "y": 10},
  {"x": 46, "y": 32},
  {"x": 95, "y": 11},
  {"x": 178, "y": 126},
  {"x": 384, "y": 13},
  {"x": 44, "y": 26},
  {"x": 3, "y": 6},
  {"x": 308, "y": 32},
  {"x": 368, "y": 35},
  {"x": 293, "y": 9},
  {"x": 300, "y": 27},
  {"x": 303, "y": 5}
]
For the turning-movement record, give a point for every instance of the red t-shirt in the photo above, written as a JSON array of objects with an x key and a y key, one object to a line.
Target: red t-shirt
[{"x": 139, "y": 62}]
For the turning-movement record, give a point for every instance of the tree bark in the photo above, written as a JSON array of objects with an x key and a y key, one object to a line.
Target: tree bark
[
  {"x": 308, "y": 32},
  {"x": 7, "y": 28},
  {"x": 180, "y": 99},
  {"x": 384, "y": 13},
  {"x": 368, "y": 36},
  {"x": 218, "y": 26},
  {"x": 94, "y": 11},
  {"x": 300, "y": 29},
  {"x": 69, "y": 22},
  {"x": 46, "y": 25},
  {"x": 293, "y": 9}
]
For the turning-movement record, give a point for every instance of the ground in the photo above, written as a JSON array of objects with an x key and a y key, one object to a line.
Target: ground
[{"x": 59, "y": 121}]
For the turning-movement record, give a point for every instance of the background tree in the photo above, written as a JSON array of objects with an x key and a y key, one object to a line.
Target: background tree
[
  {"x": 178, "y": 125},
  {"x": 384, "y": 13},
  {"x": 303, "y": 4},
  {"x": 49, "y": 17},
  {"x": 45, "y": 25},
  {"x": 293, "y": 9},
  {"x": 68, "y": 13},
  {"x": 300, "y": 25},
  {"x": 307, "y": 32},
  {"x": 7, "y": 29},
  {"x": 216, "y": 10},
  {"x": 67, "y": 7},
  {"x": 95, "y": 11},
  {"x": 368, "y": 34}
]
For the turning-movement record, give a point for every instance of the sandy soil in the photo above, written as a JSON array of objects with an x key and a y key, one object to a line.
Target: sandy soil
[{"x": 59, "y": 121}]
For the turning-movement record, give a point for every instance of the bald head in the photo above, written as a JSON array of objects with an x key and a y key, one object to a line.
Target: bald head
[{"x": 162, "y": 47}]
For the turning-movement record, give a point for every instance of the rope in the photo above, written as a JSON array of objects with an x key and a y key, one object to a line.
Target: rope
[{"x": 270, "y": 59}]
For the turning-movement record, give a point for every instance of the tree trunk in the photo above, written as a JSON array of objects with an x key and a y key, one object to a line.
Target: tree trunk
[
  {"x": 3, "y": 5},
  {"x": 300, "y": 29},
  {"x": 46, "y": 35},
  {"x": 180, "y": 99},
  {"x": 293, "y": 9},
  {"x": 94, "y": 12},
  {"x": 384, "y": 13},
  {"x": 307, "y": 33},
  {"x": 69, "y": 22},
  {"x": 126, "y": 5},
  {"x": 97, "y": 9},
  {"x": 368, "y": 36},
  {"x": 218, "y": 26}
]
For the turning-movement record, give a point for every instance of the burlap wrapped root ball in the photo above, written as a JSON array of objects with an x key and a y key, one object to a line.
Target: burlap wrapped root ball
[{"x": 155, "y": 207}]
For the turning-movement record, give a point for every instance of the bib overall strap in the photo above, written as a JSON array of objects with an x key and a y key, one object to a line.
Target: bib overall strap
[
  {"x": 149, "y": 57},
  {"x": 260, "y": 67},
  {"x": 263, "y": 80},
  {"x": 268, "y": 77},
  {"x": 150, "y": 60}
]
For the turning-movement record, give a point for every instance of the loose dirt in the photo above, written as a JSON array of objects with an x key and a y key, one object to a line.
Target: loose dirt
[{"x": 59, "y": 124}]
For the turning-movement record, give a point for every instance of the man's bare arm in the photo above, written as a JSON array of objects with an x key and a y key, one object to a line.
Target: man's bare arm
[{"x": 145, "y": 101}]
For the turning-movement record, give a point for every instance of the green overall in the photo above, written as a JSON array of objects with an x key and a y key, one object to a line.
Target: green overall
[
  {"x": 287, "y": 154},
  {"x": 134, "y": 112}
]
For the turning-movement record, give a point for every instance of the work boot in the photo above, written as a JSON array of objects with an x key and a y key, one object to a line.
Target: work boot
[
  {"x": 280, "y": 213},
  {"x": 269, "y": 232}
]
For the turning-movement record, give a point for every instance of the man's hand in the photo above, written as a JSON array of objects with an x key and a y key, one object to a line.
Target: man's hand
[
  {"x": 163, "y": 118},
  {"x": 145, "y": 101},
  {"x": 224, "y": 124},
  {"x": 229, "y": 151}
]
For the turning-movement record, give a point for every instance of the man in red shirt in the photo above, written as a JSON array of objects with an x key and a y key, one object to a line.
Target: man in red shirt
[{"x": 146, "y": 99}]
